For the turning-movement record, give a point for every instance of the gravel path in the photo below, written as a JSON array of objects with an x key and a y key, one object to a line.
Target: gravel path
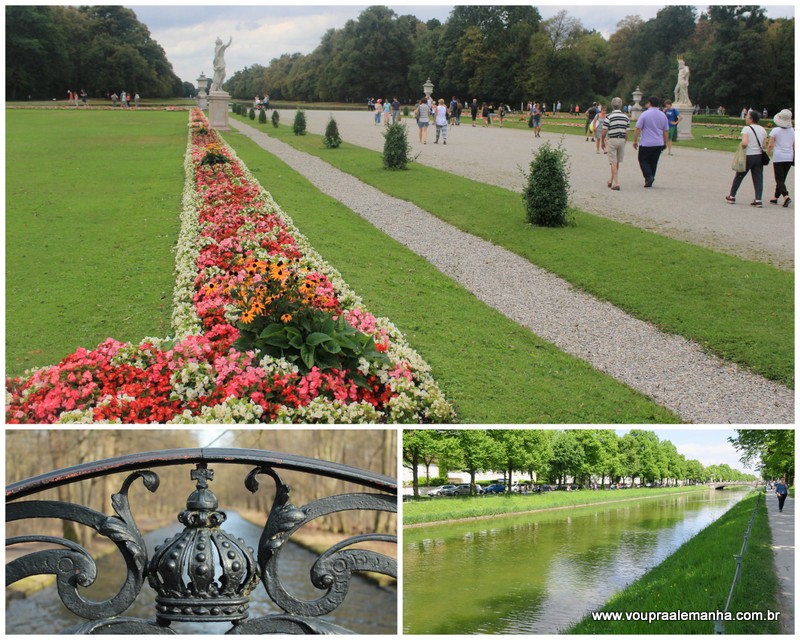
[
  {"x": 686, "y": 202},
  {"x": 673, "y": 371}
]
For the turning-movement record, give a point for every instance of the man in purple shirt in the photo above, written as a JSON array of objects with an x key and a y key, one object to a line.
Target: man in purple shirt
[{"x": 652, "y": 128}]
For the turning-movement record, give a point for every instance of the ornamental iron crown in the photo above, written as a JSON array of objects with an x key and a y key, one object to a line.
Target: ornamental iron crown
[{"x": 202, "y": 573}]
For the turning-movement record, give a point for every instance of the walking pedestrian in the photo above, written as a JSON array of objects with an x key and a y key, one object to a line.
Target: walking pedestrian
[
  {"x": 473, "y": 110},
  {"x": 673, "y": 117},
  {"x": 597, "y": 128},
  {"x": 440, "y": 120},
  {"x": 781, "y": 490},
  {"x": 653, "y": 128},
  {"x": 423, "y": 115},
  {"x": 536, "y": 114},
  {"x": 590, "y": 113},
  {"x": 387, "y": 110},
  {"x": 395, "y": 110},
  {"x": 378, "y": 111},
  {"x": 781, "y": 146},
  {"x": 753, "y": 137},
  {"x": 615, "y": 135}
]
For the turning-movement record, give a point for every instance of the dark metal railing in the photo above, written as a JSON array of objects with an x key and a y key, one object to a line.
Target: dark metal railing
[{"x": 202, "y": 574}]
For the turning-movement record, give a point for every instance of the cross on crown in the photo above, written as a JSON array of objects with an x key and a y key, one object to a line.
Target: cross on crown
[{"x": 202, "y": 474}]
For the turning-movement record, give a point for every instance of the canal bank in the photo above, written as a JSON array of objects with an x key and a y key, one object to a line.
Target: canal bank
[
  {"x": 540, "y": 573},
  {"x": 697, "y": 578},
  {"x": 448, "y": 509}
]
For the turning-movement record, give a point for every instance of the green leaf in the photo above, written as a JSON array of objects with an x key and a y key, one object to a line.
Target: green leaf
[
  {"x": 318, "y": 338},
  {"x": 307, "y": 355}
]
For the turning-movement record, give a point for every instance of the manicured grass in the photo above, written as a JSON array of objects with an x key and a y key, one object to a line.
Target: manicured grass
[
  {"x": 698, "y": 576},
  {"x": 92, "y": 204},
  {"x": 741, "y": 310},
  {"x": 492, "y": 369},
  {"x": 455, "y": 508}
]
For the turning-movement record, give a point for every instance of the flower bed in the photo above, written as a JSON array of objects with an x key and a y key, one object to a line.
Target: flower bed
[{"x": 265, "y": 330}]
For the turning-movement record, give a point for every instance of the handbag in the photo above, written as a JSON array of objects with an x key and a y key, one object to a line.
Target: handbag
[
  {"x": 764, "y": 154},
  {"x": 739, "y": 164}
]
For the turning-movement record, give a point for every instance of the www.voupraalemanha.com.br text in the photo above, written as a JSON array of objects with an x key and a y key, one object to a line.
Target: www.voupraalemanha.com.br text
[{"x": 685, "y": 616}]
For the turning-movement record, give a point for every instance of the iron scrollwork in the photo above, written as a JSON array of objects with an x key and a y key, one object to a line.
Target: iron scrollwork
[{"x": 202, "y": 573}]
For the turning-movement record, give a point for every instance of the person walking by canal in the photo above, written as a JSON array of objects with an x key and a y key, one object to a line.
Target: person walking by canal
[{"x": 781, "y": 490}]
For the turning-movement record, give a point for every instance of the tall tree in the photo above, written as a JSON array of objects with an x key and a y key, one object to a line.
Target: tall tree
[{"x": 772, "y": 449}]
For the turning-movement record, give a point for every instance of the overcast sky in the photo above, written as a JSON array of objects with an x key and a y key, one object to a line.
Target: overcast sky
[{"x": 263, "y": 32}]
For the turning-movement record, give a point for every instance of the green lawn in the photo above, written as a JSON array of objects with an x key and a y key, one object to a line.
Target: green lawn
[
  {"x": 491, "y": 368},
  {"x": 92, "y": 204},
  {"x": 741, "y": 310},
  {"x": 698, "y": 576}
]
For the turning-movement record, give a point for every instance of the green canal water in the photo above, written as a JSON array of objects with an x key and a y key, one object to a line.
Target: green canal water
[{"x": 542, "y": 572}]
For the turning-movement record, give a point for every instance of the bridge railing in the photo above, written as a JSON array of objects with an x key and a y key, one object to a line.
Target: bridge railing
[{"x": 203, "y": 573}]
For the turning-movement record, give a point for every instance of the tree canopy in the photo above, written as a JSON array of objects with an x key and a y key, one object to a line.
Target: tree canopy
[
  {"x": 582, "y": 456},
  {"x": 100, "y": 49},
  {"x": 509, "y": 54}
]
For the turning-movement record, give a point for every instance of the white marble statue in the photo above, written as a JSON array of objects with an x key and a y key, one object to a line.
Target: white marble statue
[
  {"x": 682, "y": 88},
  {"x": 219, "y": 64}
]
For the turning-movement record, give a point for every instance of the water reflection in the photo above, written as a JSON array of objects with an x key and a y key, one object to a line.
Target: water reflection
[
  {"x": 541, "y": 573},
  {"x": 367, "y": 608}
]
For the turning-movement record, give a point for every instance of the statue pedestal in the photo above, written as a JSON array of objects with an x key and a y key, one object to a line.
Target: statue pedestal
[
  {"x": 218, "y": 110},
  {"x": 202, "y": 100},
  {"x": 685, "y": 125}
]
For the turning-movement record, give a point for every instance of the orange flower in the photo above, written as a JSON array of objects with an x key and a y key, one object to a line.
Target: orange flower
[
  {"x": 286, "y": 317},
  {"x": 247, "y": 317}
]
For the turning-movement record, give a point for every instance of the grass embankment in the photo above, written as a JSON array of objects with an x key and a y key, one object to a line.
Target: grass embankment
[
  {"x": 491, "y": 368},
  {"x": 697, "y": 577},
  {"x": 741, "y": 310},
  {"x": 92, "y": 204},
  {"x": 447, "y": 508}
]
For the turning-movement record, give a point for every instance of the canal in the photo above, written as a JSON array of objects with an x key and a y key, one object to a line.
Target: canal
[
  {"x": 541, "y": 572},
  {"x": 368, "y": 608}
]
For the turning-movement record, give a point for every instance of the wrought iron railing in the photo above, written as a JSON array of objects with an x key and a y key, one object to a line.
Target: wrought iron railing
[{"x": 202, "y": 573}]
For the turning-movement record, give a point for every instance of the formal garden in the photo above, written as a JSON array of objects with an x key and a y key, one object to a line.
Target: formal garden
[{"x": 305, "y": 347}]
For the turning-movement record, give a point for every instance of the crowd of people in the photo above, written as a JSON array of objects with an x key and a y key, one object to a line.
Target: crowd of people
[
  {"x": 654, "y": 132},
  {"x": 124, "y": 100}
]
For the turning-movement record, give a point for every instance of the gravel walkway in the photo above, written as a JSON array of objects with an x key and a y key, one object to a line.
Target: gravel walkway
[{"x": 673, "y": 371}]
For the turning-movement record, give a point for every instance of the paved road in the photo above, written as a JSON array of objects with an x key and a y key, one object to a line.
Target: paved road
[
  {"x": 687, "y": 201},
  {"x": 782, "y": 526}
]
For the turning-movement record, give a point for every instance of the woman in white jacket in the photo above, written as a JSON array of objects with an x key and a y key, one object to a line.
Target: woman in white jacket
[{"x": 440, "y": 120}]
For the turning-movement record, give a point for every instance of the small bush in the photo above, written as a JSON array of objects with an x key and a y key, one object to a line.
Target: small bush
[
  {"x": 546, "y": 195},
  {"x": 332, "y": 138},
  {"x": 251, "y": 114},
  {"x": 262, "y": 116},
  {"x": 396, "y": 147},
  {"x": 299, "y": 126},
  {"x": 276, "y": 118}
]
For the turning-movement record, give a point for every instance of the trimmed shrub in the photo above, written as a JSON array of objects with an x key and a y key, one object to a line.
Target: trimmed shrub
[
  {"x": 546, "y": 194},
  {"x": 299, "y": 126},
  {"x": 332, "y": 138},
  {"x": 276, "y": 118},
  {"x": 251, "y": 114},
  {"x": 262, "y": 116},
  {"x": 396, "y": 147}
]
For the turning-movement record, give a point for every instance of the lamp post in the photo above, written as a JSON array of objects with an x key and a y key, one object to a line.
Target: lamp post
[
  {"x": 202, "y": 84},
  {"x": 428, "y": 87},
  {"x": 636, "y": 109}
]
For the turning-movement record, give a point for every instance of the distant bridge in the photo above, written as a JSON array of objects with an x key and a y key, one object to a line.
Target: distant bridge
[{"x": 722, "y": 485}]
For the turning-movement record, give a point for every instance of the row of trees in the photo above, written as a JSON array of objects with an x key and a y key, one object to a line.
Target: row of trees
[
  {"x": 553, "y": 456},
  {"x": 737, "y": 56},
  {"x": 99, "y": 49}
]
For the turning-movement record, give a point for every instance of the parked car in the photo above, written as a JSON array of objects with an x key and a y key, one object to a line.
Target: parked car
[
  {"x": 441, "y": 491},
  {"x": 497, "y": 487},
  {"x": 460, "y": 490}
]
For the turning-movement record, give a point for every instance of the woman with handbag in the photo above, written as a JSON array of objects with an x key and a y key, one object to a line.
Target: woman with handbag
[
  {"x": 753, "y": 136},
  {"x": 781, "y": 146}
]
